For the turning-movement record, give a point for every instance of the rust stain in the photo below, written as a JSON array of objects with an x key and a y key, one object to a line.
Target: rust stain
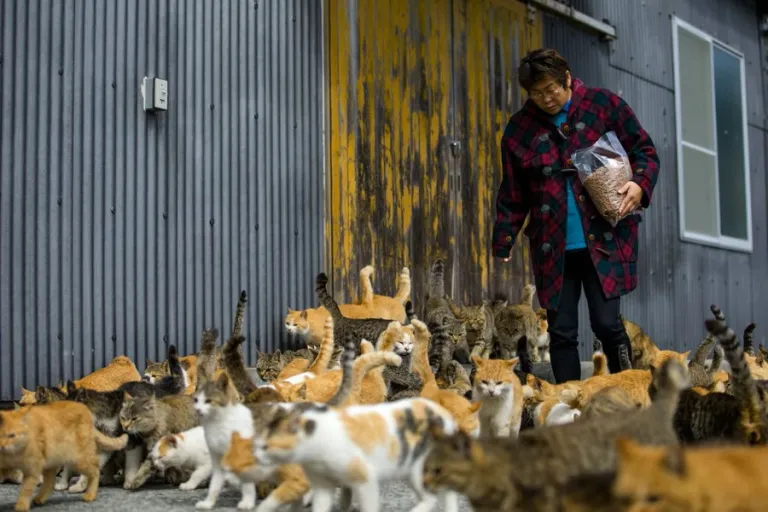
[{"x": 406, "y": 78}]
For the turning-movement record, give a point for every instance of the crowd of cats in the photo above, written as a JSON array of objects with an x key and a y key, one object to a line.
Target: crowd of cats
[{"x": 379, "y": 394}]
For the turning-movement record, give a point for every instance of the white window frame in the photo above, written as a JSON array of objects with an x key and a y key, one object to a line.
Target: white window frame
[{"x": 724, "y": 242}]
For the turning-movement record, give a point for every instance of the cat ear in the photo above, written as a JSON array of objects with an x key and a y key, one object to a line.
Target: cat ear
[
  {"x": 477, "y": 360},
  {"x": 149, "y": 362},
  {"x": 304, "y": 314},
  {"x": 624, "y": 446},
  {"x": 71, "y": 388},
  {"x": 223, "y": 380},
  {"x": 686, "y": 354},
  {"x": 172, "y": 441},
  {"x": 127, "y": 396},
  {"x": 511, "y": 363},
  {"x": 290, "y": 311},
  {"x": 16, "y": 406},
  {"x": 462, "y": 443},
  {"x": 276, "y": 353},
  {"x": 303, "y": 391}
]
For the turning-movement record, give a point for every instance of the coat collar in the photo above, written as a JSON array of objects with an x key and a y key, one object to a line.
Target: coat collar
[{"x": 578, "y": 90}]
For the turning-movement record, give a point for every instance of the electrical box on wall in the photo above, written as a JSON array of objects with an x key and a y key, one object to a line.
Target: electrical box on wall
[{"x": 155, "y": 94}]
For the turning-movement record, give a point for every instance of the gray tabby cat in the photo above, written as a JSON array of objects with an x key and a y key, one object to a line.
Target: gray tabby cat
[
  {"x": 344, "y": 327},
  {"x": 738, "y": 417},
  {"x": 512, "y": 322},
  {"x": 552, "y": 455},
  {"x": 697, "y": 366},
  {"x": 479, "y": 324},
  {"x": 437, "y": 312}
]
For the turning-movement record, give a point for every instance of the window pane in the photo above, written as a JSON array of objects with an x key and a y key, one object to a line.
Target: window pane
[
  {"x": 699, "y": 192},
  {"x": 695, "y": 64},
  {"x": 730, "y": 145}
]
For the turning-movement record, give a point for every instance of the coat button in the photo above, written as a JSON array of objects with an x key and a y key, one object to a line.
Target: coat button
[
  {"x": 580, "y": 126},
  {"x": 581, "y": 197},
  {"x": 546, "y": 171},
  {"x": 569, "y": 163},
  {"x": 508, "y": 238},
  {"x": 545, "y": 247},
  {"x": 544, "y": 137},
  {"x": 565, "y": 128},
  {"x": 608, "y": 236},
  {"x": 592, "y": 217},
  {"x": 545, "y": 208},
  {"x": 591, "y": 237}
]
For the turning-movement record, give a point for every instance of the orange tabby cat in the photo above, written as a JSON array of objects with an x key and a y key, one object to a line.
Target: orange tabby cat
[
  {"x": 465, "y": 413},
  {"x": 634, "y": 382},
  {"x": 292, "y": 483},
  {"x": 40, "y": 440},
  {"x": 309, "y": 322},
  {"x": 701, "y": 479}
]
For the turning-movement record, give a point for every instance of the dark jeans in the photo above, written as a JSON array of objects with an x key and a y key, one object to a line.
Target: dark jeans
[{"x": 564, "y": 323}]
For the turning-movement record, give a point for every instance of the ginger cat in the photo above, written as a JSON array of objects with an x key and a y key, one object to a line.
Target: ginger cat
[
  {"x": 119, "y": 371},
  {"x": 634, "y": 382},
  {"x": 500, "y": 392},
  {"x": 40, "y": 440},
  {"x": 645, "y": 353},
  {"x": 292, "y": 483},
  {"x": 701, "y": 479},
  {"x": 309, "y": 323},
  {"x": 465, "y": 413}
]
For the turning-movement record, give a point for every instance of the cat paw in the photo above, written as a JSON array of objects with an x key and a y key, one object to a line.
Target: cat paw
[
  {"x": 246, "y": 504},
  {"x": 187, "y": 486},
  {"x": 79, "y": 486},
  {"x": 131, "y": 485},
  {"x": 61, "y": 485},
  {"x": 204, "y": 505}
]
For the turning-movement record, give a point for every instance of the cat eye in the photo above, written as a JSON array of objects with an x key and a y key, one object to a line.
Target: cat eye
[
  {"x": 484, "y": 382},
  {"x": 11, "y": 436},
  {"x": 207, "y": 400}
]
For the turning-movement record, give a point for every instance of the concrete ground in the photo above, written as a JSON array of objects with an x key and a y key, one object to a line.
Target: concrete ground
[{"x": 395, "y": 497}]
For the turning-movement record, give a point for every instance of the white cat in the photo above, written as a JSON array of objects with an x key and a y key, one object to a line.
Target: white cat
[
  {"x": 187, "y": 450},
  {"x": 221, "y": 414},
  {"x": 359, "y": 447}
]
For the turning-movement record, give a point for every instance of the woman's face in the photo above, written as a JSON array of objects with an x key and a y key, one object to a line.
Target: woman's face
[{"x": 549, "y": 95}]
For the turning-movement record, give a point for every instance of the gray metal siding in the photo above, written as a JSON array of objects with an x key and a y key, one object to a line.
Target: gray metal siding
[
  {"x": 121, "y": 232},
  {"x": 678, "y": 281}
]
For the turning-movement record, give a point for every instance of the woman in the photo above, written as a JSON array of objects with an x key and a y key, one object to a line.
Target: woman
[{"x": 572, "y": 246}]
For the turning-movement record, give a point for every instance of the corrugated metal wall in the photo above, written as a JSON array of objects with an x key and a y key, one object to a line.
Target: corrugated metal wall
[
  {"x": 408, "y": 79},
  {"x": 120, "y": 231},
  {"x": 678, "y": 281}
]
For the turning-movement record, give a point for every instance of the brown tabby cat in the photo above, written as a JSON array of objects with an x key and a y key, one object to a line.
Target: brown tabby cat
[
  {"x": 515, "y": 321},
  {"x": 437, "y": 311},
  {"x": 552, "y": 455},
  {"x": 308, "y": 323},
  {"x": 478, "y": 321},
  {"x": 151, "y": 419},
  {"x": 40, "y": 440},
  {"x": 714, "y": 478}
]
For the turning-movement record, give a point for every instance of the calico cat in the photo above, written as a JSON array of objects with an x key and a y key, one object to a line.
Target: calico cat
[
  {"x": 501, "y": 393},
  {"x": 45, "y": 395},
  {"x": 221, "y": 413},
  {"x": 358, "y": 447},
  {"x": 739, "y": 417},
  {"x": 437, "y": 311},
  {"x": 186, "y": 451},
  {"x": 151, "y": 419},
  {"x": 714, "y": 478},
  {"x": 465, "y": 413},
  {"x": 357, "y": 328},
  {"x": 39, "y": 440},
  {"x": 515, "y": 321},
  {"x": 479, "y": 324},
  {"x": 308, "y": 323},
  {"x": 552, "y": 455}
]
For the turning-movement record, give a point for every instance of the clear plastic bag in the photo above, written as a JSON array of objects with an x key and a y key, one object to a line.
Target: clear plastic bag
[{"x": 603, "y": 169}]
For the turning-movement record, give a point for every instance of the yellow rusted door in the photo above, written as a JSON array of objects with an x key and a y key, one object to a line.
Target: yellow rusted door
[{"x": 418, "y": 96}]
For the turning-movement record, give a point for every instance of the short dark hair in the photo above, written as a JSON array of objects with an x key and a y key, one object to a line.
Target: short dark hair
[{"x": 540, "y": 64}]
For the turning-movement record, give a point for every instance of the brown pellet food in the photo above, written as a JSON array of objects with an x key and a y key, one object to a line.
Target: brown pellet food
[{"x": 603, "y": 187}]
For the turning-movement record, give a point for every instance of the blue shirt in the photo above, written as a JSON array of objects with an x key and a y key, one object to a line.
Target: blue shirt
[{"x": 574, "y": 232}]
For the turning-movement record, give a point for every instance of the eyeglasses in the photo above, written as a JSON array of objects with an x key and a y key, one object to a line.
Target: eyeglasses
[{"x": 547, "y": 93}]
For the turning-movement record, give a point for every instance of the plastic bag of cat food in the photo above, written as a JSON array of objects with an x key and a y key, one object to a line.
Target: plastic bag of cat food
[{"x": 603, "y": 169}]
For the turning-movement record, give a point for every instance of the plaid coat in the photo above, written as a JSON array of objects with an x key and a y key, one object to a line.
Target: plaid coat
[{"x": 534, "y": 154}]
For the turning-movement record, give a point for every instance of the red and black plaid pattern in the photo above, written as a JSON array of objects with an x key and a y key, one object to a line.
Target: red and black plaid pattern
[{"x": 536, "y": 160}]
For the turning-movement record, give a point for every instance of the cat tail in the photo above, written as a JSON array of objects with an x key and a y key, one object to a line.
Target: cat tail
[
  {"x": 717, "y": 360},
  {"x": 234, "y": 364},
  {"x": 526, "y": 364},
  {"x": 206, "y": 359},
  {"x": 625, "y": 362},
  {"x": 702, "y": 351},
  {"x": 370, "y": 360},
  {"x": 410, "y": 314},
  {"x": 403, "y": 286},
  {"x": 237, "y": 325},
  {"x": 321, "y": 290},
  {"x": 420, "y": 354},
  {"x": 174, "y": 367},
  {"x": 749, "y": 333},
  {"x": 347, "y": 360},
  {"x": 110, "y": 444},
  {"x": 743, "y": 386},
  {"x": 529, "y": 291},
  {"x": 436, "y": 285},
  {"x": 599, "y": 361},
  {"x": 324, "y": 352},
  {"x": 366, "y": 288}
]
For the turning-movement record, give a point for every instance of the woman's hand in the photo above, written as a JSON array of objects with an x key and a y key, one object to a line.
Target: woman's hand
[{"x": 632, "y": 196}]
